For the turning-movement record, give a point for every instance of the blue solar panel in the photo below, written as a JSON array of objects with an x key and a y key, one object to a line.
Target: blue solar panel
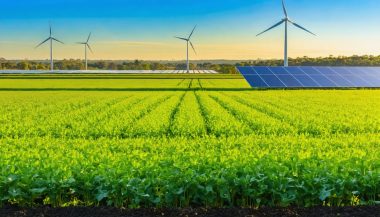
[
  {"x": 289, "y": 81},
  {"x": 341, "y": 70},
  {"x": 272, "y": 81},
  {"x": 374, "y": 71},
  {"x": 263, "y": 71},
  {"x": 311, "y": 77},
  {"x": 310, "y": 70},
  {"x": 375, "y": 79},
  {"x": 362, "y": 77},
  {"x": 339, "y": 81},
  {"x": 255, "y": 81},
  {"x": 246, "y": 70},
  {"x": 279, "y": 71},
  {"x": 294, "y": 70},
  {"x": 306, "y": 81},
  {"x": 335, "y": 77}
]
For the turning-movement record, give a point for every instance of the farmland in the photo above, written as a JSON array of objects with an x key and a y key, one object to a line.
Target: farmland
[{"x": 186, "y": 146}]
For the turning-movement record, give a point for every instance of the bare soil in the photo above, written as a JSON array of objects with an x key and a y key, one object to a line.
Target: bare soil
[{"x": 364, "y": 211}]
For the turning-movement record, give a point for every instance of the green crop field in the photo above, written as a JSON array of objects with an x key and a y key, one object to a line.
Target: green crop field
[
  {"x": 121, "y": 83},
  {"x": 186, "y": 146}
]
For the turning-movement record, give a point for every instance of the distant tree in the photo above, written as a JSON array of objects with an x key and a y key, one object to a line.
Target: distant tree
[
  {"x": 145, "y": 66},
  {"x": 158, "y": 66},
  {"x": 2, "y": 63},
  {"x": 41, "y": 66},
  {"x": 228, "y": 68},
  {"x": 112, "y": 66},
  {"x": 181, "y": 66},
  {"x": 120, "y": 67},
  {"x": 24, "y": 65}
]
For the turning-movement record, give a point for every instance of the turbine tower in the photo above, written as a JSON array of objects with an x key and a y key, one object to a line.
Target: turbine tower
[
  {"x": 51, "y": 39},
  {"x": 286, "y": 20},
  {"x": 86, "y": 45},
  {"x": 188, "y": 41}
]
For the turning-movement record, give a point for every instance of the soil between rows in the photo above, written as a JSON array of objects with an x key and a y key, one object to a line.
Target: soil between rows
[{"x": 363, "y": 211}]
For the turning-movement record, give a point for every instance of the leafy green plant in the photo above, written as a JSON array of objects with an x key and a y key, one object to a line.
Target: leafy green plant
[{"x": 190, "y": 148}]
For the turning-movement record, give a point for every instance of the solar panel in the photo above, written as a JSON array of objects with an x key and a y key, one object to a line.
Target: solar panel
[
  {"x": 311, "y": 77},
  {"x": 256, "y": 81}
]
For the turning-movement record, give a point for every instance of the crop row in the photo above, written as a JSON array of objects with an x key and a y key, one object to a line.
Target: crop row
[
  {"x": 166, "y": 113},
  {"x": 238, "y": 171},
  {"x": 190, "y": 148},
  {"x": 122, "y": 83}
]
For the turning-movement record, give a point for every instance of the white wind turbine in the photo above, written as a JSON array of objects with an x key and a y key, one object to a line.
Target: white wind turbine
[
  {"x": 286, "y": 20},
  {"x": 187, "y": 49},
  {"x": 86, "y": 45},
  {"x": 51, "y": 39}
]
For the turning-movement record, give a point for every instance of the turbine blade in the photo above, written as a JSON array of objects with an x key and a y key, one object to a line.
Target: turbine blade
[
  {"x": 193, "y": 47},
  {"x": 57, "y": 40},
  {"x": 89, "y": 48},
  {"x": 274, "y": 26},
  {"x": 192, "y": 32},
  {"x": 89, "y": 36},
  {"x": 185, "y": 39},
  {"x": 42, "y": 42},
  {"x": 81, "y": 43},
  {"x": 295, "y": 24},
  {"x": 50, "y": 28},
  {"x": 284, "y": 8}
]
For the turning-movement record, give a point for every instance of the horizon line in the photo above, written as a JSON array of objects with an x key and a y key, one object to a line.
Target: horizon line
[{"x": 179, "y": 60}]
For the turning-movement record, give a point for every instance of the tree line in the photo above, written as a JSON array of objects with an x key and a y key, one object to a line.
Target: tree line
[
  {"x": 227, "y": 68},
  {"x": 365, "y": 60}
]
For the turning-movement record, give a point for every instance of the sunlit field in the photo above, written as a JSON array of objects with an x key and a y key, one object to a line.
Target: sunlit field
[
  {"x": 186, "y": 147},
  {"x": 122, "y": 82}
]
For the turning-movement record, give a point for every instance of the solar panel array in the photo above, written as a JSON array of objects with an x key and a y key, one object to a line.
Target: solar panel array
[
  {"x": 311, "y": 77},
  {"x": 108, "y": 72}
]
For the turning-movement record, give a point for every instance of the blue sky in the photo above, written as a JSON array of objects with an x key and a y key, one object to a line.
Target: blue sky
[{"x": 144, "y": 29}]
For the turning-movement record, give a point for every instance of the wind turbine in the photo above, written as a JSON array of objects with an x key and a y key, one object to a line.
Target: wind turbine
[
  {"x": 286, "y": 20},
  {"x": 86, "y": 45},
  {"x": 51, "y": 39},
  {"x": 187, "y": 49}
]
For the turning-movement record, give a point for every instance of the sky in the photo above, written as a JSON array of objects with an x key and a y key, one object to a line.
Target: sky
[{"x": 226, "y": 29}]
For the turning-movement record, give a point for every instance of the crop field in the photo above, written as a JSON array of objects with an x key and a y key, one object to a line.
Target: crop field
[
  {"x": 123, "y": 83},
  {"x": 186, "y": 147}
]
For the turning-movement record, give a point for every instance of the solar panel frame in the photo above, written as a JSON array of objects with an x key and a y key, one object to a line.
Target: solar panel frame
[{"x": 312, "y": 77}]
